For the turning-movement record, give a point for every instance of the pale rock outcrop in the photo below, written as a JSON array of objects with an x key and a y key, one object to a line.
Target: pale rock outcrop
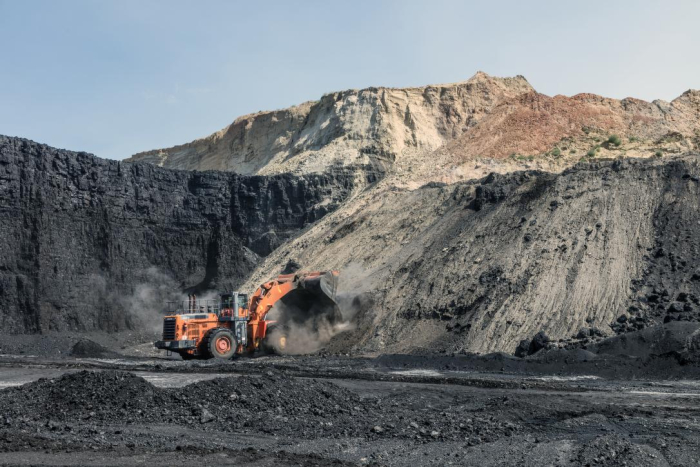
[{"x": 376, "y": 126}]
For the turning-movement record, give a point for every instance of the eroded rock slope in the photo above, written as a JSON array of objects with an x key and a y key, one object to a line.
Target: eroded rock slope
[{"x": 480, "y": 265}]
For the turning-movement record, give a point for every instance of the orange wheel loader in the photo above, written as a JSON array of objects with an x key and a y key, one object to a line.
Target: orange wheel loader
[{"x": 233, "y": 324}]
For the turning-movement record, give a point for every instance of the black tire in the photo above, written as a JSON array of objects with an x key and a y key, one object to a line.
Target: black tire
[
  {"x": 275, "y": 341},
  {"x": 187, "y": 356},
  {"x": 220, "y": 343}
]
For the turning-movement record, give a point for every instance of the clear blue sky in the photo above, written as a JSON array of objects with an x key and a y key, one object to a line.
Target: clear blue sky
[{"x": 114, "y": 78}]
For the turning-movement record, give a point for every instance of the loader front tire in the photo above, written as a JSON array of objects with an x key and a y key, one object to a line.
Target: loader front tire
[
  {"x": 275, "y": 340},
  {"x": 220, "y": 343}
]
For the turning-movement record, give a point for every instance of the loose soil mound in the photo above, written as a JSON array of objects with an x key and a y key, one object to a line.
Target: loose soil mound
[
  {"x": 273, "y": 403},
  {"x": 85, "y": 348},
  {"x": 671, "y": 338}
]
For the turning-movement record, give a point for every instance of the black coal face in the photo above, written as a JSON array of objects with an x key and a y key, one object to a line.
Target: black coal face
[{"x": 79, "y": 234}]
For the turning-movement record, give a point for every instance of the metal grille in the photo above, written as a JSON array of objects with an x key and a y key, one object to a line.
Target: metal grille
[{"x": 169, "y": 329}]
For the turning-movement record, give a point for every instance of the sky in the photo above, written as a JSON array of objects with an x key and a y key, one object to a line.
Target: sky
[{"x": 118, "y": 77}]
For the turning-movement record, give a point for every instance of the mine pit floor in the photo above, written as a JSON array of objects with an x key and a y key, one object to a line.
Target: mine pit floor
[{"x": 338, "y": 410}]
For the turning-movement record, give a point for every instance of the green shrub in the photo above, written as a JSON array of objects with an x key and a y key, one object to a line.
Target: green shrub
[
  {"x": 591, "y": 152},
  {"x": 615, "y": 140},
  {"x": 659, "y": 153},
  {"x": 633, "y": 139},
  {"x": 596, "y": 139},
  {"x": 556, "y": 152}
]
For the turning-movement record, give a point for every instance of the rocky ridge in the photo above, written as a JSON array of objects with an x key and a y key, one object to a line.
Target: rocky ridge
[
  {"x": 445, "y": 133},
  {"x": 384, "y": 127}
]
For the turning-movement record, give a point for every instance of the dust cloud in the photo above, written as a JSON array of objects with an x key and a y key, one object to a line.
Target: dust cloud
[
  {"x": 315, "y": 332},
  {"x": 143, "y": 307}
]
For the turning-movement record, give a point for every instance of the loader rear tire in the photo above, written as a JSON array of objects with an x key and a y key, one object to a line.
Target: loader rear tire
[{"x": 220, "y": 343}]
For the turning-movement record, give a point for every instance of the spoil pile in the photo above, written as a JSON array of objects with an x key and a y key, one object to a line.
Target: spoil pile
[
  {"x": 86, "y": 348},
  {"x": 480, "y": 266},
  {"x": 271, "y": 404}
]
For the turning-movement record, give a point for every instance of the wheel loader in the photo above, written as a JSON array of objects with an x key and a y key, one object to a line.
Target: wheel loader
[{"x": 235, "y": 324}]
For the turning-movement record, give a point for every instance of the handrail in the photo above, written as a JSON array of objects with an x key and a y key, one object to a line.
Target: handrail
[{"x": 193, "y": 306}]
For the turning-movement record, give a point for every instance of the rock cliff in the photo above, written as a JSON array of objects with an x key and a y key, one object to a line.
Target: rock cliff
[{"x": 89, "y": 244}]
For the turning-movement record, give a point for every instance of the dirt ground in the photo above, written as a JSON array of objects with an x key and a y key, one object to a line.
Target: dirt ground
[{"x": 336, "y": 410}]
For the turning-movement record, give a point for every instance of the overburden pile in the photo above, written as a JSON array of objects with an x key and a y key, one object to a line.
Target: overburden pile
[{"x": 601, "y": 248}]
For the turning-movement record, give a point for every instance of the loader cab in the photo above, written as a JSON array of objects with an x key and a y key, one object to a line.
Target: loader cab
[{"x": 234, "y": 305}]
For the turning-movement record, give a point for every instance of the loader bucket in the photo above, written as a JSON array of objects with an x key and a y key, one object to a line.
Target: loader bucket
[{"x": 312, "y": 301}]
